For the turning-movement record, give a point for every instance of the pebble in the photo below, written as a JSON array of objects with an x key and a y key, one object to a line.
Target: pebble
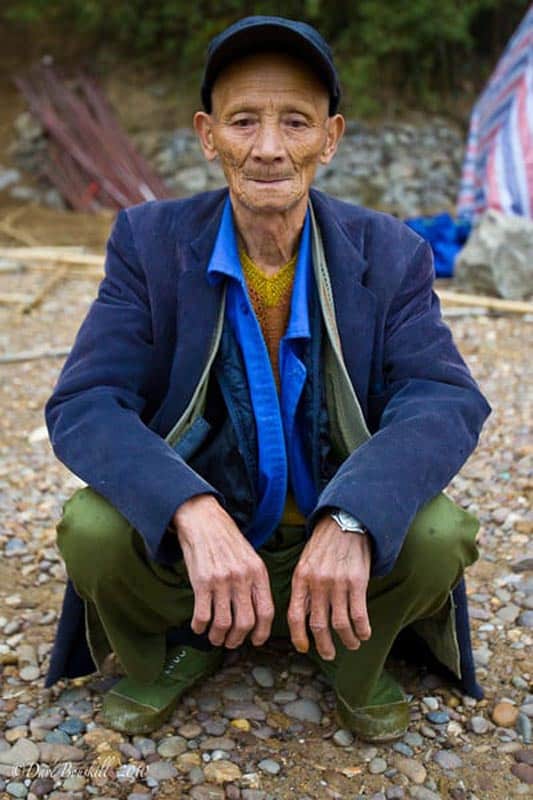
[
  {"x": 244, "y": 710},
  {"x": 190, "y": 730},
  {"x": 525, "y": 620},
  {"x": 343, "y": 738},
  {"x": 73, "y": 726},
  {"x": 46, "y": 721},
  {"x": 284, "y": 696},
  {"x": 421, "y": 793},
  {"x": 377, "y": 766},
  {"x": 413, "y": 739},
  {"x": 304, "y": 710},
  {"x": 222, "y": 771},
  {"x": 263, "y": 676},
  {"x": 57, "y": 753},
  {"x": 217, "y": 743},
  {"x": 447, "y": 760},
  {"x": 523, "y": 727},
  {"x": 130, "y": 751},
  {"x": 504, "y": 715},
  {"x": 145, "y": 746},
  {"x": 431, "y": 703},
  {"x": 172, "y": 746},
  {"x": 479, "y": 725},
  {"x": 438, "y": 717},
  {"x": 16, "y": 789},
  {"x": 57, "y": 737},
  {"x": 215, "y": 727},
  {"x": 395, "y": 793},
  {"x": 161, "y": 770},
  {"x": 23, "y": 751},
  {"x": 403, "y": 749},
  {"x": 412, "y": 769},
  {"x": 269, "y": 766},
  {"x": 523, "y": 772},
  {"x": 29, "y": 673},
  {"x": 41, "y": 786},
  {"x": 207, "y": 793}
]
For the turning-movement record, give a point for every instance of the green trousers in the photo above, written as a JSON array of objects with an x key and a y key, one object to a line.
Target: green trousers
[{"x": 131, "y": 601}]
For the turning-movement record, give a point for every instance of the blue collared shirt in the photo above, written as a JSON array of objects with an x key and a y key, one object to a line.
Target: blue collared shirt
[{"x": 281, "y": 456}]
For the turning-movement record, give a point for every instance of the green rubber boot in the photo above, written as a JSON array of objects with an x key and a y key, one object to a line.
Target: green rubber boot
[
  {"x": 131, "y": 707},
  {"x": 386, "y": 716}
]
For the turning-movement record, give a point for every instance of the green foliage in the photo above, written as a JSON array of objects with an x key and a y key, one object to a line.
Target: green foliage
[{"x": 415, "y": 49}]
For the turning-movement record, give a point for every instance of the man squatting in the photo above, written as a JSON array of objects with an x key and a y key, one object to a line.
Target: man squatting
[{"x": 266, "y": 406}]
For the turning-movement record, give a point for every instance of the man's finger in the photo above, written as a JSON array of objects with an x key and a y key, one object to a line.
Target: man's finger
[
  {"x": 202, "y": 611},
  {"x": 359, "y": 615},
  {"x": 222, "y": 617},
  {"x": 340, "y": 619},
  {"x": 243, "y": 618},
  {"x": 296, "y": 617},
  {"x": 264, "y": 612},
  {"x": 319, "y": 624}
]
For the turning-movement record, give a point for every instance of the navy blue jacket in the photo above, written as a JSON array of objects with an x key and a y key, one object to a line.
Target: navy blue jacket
[{"x": 140, "y": 352}]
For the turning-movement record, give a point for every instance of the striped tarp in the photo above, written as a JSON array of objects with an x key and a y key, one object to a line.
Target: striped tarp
[{"x": 498, "y": 165}]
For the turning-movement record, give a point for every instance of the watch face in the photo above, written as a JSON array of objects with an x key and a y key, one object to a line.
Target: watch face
[{"x": 347, "y": 522}]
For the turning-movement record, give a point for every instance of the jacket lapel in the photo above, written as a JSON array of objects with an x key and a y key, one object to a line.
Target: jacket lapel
[
  {"x": 197, "y": 304},
  {"x": 355, "y": 305}
]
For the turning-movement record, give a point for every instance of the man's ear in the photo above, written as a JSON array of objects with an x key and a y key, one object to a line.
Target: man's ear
[
  {"x": 335, "y": 129},
  {"x": 203, "y": 125}
]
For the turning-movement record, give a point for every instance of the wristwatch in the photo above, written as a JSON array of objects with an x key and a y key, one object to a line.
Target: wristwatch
[{"x": 346, "y": 522}]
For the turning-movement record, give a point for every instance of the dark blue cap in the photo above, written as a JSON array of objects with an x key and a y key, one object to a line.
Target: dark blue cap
[{"x": 265, "y": 34}]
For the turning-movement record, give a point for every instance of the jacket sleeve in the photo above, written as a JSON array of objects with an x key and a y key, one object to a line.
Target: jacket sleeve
[
  {"x": 94, "y": 414},
  {"x": 432, "y": 417}
]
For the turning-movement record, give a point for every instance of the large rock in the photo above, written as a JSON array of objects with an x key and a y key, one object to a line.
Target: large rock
[{"x": 498, "y": 257}]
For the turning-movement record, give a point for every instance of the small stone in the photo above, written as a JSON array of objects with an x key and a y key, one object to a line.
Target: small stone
[
  {"x": 304, "y": 710},
  {"x": 394, "y": 793},
  {"x": 146, "y": 746},
  {"x": 23, "y": 751},
  {"x": 99, "y": 736},
  {"x": 130, "y": 751},
  {"x": 46, "y": 722},
  {"x": 207, "y": 793},
  {"x": 438, "y": 717},
  {"x": 253, "y": 794},
  {"x": 29, "y": 673},
  {"x": 523, "y": 727},
  {"x": 413, "y": 739},
  {"x": 161, "y": 770},
  {"x": 41, "y": 786},
  {"x": 12, "y": 734},
  {"x": 74, "y": 783},
  {"x": 57, "y": 753},
  {"x": 421, "y": 793},
  {"x": 505, "y": 715},
  {"x": 343, "y": 738},
  {"x": 525, "y": 620},
  {"x": 411, "y": 769},
  {"x": 263, "y": 676},
  {"x": 217, "y": 743},
  {"x": 479, "y": 725},
  {"x": 377, "y": 766},
  {"x": 190, "y": 730},
  {"x": 244, "y": 710},
  {"x": 172, "y": 746},
  {"x": 403, "y": 749},
  {"x": 284, "y": 696},
  {"x": 215, "y": 727},
  {"x": 240, "y": 724},
  {"x": 222, "y": 772},
  {"x": 16, "y": 789},
  {"x": 523, "y": 772},
  {"x": 269, "y": 766},
  {"x": 57, "y": 737},
  {"x": 188, "y": 761},
  {"x": 524, "y": 757},
  {"x": 73, "y": 726},
  {"x": 431, "y": 703},
  {"x": 447, "y": 760}
]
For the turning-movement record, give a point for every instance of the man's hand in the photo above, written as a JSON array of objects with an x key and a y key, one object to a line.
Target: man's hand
[
  {"x": 330, "y": 583},
  {"x": 230, "y": 581}
]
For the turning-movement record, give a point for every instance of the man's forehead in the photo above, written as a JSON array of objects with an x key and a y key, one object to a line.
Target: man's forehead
[{"x": 271, "y": 75}]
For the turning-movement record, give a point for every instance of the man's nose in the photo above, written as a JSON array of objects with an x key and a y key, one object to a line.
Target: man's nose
[{"x": 268, "y": 144}]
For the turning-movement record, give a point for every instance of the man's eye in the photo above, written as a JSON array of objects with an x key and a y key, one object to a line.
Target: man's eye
[
  {"x": 296, "y": 122},
  {"x": 243, "y": 122}
]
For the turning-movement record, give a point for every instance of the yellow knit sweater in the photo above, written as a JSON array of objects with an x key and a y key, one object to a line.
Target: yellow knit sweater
[{"x": 271, "y": 298}]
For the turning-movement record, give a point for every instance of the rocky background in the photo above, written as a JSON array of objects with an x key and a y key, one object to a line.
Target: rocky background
[{"x": 405, "y": 169}]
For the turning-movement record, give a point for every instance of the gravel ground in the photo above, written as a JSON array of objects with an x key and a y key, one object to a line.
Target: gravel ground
[{"x": 264, "y": 727}]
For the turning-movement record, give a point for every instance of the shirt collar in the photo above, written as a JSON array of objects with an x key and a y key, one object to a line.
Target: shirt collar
[{"x": 225, "y": 262}]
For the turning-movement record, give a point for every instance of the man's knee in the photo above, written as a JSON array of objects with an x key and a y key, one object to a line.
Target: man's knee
[
  {"x": 440, "y": 544},
  {"x": 92, "y": 535}
]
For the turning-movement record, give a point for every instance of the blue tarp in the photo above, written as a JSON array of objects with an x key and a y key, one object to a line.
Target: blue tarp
[{"x": 446, "y": 237}]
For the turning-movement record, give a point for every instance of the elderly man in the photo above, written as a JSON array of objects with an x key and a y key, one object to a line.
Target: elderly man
[{"x": 265, "y": 405}]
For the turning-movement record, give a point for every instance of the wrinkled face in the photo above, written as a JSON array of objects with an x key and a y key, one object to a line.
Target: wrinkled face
[{"x": 270, "y": 128}]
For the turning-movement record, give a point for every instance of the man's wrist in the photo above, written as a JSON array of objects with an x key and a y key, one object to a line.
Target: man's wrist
[{"x": 347, "y": 522}]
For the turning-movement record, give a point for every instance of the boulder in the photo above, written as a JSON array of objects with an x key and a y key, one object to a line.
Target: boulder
[{"x": 498, "y": 257}]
